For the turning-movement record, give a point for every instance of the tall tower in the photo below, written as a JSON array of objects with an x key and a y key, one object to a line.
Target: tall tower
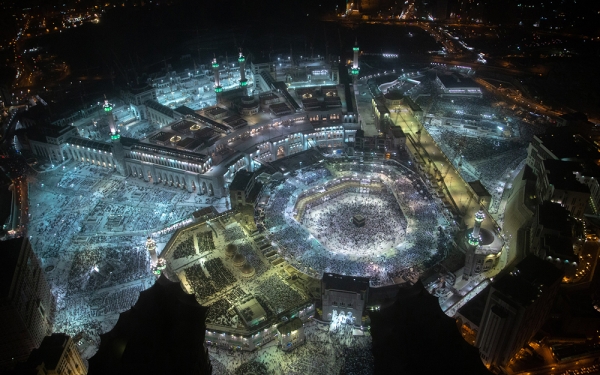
[
  {"x": 355, "y": 68},
  {"x": 242, "y": 61},
  {"x": 215, "y": 66},
  {"x": 109, "y": 115},
  {"x": 118, "y": 153},
  {"x": 474, "y": 235},
  {"x": 473, "y": 241},
  {"x": 151, "y": 247}
]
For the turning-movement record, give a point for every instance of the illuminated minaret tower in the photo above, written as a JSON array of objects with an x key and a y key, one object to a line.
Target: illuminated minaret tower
[
  {"x": 151, "y": 247},
  {"x": 242, "y": 61},
  {"x": 473, "y": 242},
  {"x": 118, "y": 153},
  {"x": 474, "y": 235},
  {"x": 355, "y": 68},
  {"x": 215, "y": 66}
]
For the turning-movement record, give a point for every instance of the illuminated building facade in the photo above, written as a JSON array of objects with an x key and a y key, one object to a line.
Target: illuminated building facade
[
  {"x": 205, "y": 156},
  {"x": 250, "y": 339},
  {"x": 344, "y": 296},
  {"x": 457, "y": 85},
  {"x": 291, "y": 334}
]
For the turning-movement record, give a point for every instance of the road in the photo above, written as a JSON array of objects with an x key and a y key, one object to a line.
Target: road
[{"x": 444, "y": 176}]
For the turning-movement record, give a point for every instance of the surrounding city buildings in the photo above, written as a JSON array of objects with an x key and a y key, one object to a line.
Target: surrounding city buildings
[
  {"x": 27, "y": 305},
  {"x": 57, "y": 355},
  {"x": 517, "y": 306},
  {"x": 249, "y": 143}
]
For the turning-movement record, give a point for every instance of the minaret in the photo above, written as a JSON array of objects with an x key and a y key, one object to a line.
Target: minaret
[
  {"x": 355, "y": 68},
  {"x": 118, "y": 153},
  {"x": 473, "y": 240},
  {"x": 215, "y": 66},
  {"x": 109, "y": 115},
  {"x": 474, "y": 235},
  {"x": 242, "y": 61},
  {"x": 151, "y": 247}
]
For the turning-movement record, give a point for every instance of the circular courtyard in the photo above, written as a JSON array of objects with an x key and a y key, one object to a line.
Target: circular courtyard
[
  {"x": 375, "y": 220},
  {"x": 359, "y": 221}
]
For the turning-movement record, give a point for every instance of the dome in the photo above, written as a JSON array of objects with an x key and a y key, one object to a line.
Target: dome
[
  {"x": 248, "y": 99},
  {"x": 247, "y": 270},
  {"x": 239, "y": 260},
  {"x": 230, "y": 250}
]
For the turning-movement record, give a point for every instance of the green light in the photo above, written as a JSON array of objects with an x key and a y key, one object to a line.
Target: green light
[
  {"x": 356, "y": 49},
  {"x": 215, "y": 65},
  {"x": 472, "y": 240},
  {"x": 107, "y": 109},
  {"x": 115, "y": 137},
  {"x": 244, "y": 83},
  {"x": 354, "y": 71},
  {"x": 218, "y": 89},
  {"x": 241, "y": 59}
]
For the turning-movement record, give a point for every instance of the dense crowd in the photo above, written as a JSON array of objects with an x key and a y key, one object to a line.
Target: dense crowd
[
  {"x": 232, "y": 233},
  {"x": 279, "y": 295},
  {"x": 489, "y": 160},
  {"x": 330, "y": 220},
  {"x": 246, "y": 249},
  {"x": 419, "y": 244},
  {"x": 97, "y": 267},
  {"x": 206, "y": 241},
  {"x": 219, "y": 274},
  {"x": 115, "y": 302},
  {"x": 312, "y": 175},
  {"x": 324, "y": 352},
  {"x": 199, "y": 282},
  {"x": 218, "y": 314},
  {"x": 184, "y": 249}
]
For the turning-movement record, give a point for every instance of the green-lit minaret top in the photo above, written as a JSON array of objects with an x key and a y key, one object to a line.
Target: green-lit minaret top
[
  {"x": 473, "y": 237},
  {"x": 111, "y": 120},
  {"x": 355, "y": 69},
  {"x": 215, "y": 66},
  {"x": 242, "y": 61}
]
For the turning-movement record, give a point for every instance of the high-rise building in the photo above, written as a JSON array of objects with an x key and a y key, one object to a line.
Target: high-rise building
[
  {"x": 57, "y": 355},
  {"x": 517, "y": 306},
  {"x": 27, "y": 306}
]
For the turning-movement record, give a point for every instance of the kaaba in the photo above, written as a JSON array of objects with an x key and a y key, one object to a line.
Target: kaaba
[{"x": 358, "y": 220}]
